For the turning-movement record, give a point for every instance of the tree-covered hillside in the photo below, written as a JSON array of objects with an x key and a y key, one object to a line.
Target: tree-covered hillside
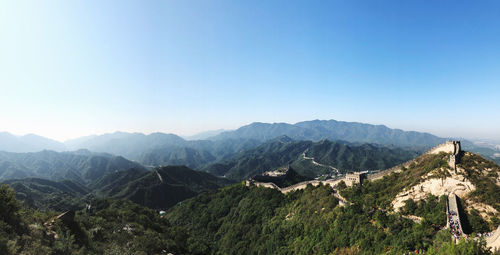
[{"x": 254, "y": 220}]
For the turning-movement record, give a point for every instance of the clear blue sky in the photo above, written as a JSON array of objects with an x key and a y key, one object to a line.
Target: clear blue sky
[{"x": 73, "y": 68}]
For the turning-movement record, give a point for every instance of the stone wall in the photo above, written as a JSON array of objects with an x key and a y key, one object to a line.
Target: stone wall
[
  {"x": 452, "y": 147},
  {"x": 302, "y": 185}
]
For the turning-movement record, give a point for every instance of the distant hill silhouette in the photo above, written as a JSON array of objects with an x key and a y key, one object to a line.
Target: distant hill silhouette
[
  {"x": 28, "y": 143},
  {"x": 316, "y": 130}
]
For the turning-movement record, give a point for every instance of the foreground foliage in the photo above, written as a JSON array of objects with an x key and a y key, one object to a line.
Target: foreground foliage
[
  {"x": 252, "y": 220},
  {"x": 233, "y": 220},
  {"x": 113, "y": 227}
]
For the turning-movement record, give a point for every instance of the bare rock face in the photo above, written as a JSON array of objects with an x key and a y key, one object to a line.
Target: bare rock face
[
  {"x": 438, "y": 187},
  {"x": 456, "y": 182}
]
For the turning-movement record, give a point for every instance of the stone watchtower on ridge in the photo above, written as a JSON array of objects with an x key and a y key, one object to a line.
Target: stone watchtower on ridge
[
  {"x": 455, "y": 155},
  {"x": 354, "y": 178},
  {"x": 451, "y": 147}
]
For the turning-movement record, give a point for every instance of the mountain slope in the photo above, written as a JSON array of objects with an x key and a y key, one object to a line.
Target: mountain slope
[{"x": 80, "y": 166}]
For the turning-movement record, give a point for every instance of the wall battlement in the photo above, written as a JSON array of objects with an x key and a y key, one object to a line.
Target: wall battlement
[{"x": 452, "y": 147}]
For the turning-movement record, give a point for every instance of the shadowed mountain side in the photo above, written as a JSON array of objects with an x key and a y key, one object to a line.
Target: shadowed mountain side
[{"x": 160, "y": 188}]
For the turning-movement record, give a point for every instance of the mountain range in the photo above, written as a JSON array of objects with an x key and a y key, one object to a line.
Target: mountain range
[
  {"x": 316, "y": 130},
  {"x": 167, "y": 149}
]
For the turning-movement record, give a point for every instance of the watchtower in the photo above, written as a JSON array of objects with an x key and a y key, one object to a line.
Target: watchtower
[{"x": 354, "y": 178}]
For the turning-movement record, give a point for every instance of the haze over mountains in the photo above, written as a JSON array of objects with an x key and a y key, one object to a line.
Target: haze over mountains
[
  {"x": 165, "y": 149},
  {"x": 80, "y": 166},
  {"x": 316, "y": 130},
  {"x": 28, "y": 143}
]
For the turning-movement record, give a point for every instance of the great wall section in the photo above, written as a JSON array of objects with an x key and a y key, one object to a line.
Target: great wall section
[
  {"x": 452, "y": 147},
  {"x": 453, "y": 220},
  {"x": 301, "y": 185}
]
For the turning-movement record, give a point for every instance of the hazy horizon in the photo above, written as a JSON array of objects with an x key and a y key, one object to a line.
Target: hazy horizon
[
  {"x": 187, "y": 136},
  {"x": 71, "y": 69}
]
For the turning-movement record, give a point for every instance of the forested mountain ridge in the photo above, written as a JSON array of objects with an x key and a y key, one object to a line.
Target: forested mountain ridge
[{"x": 309, "y": 158}]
